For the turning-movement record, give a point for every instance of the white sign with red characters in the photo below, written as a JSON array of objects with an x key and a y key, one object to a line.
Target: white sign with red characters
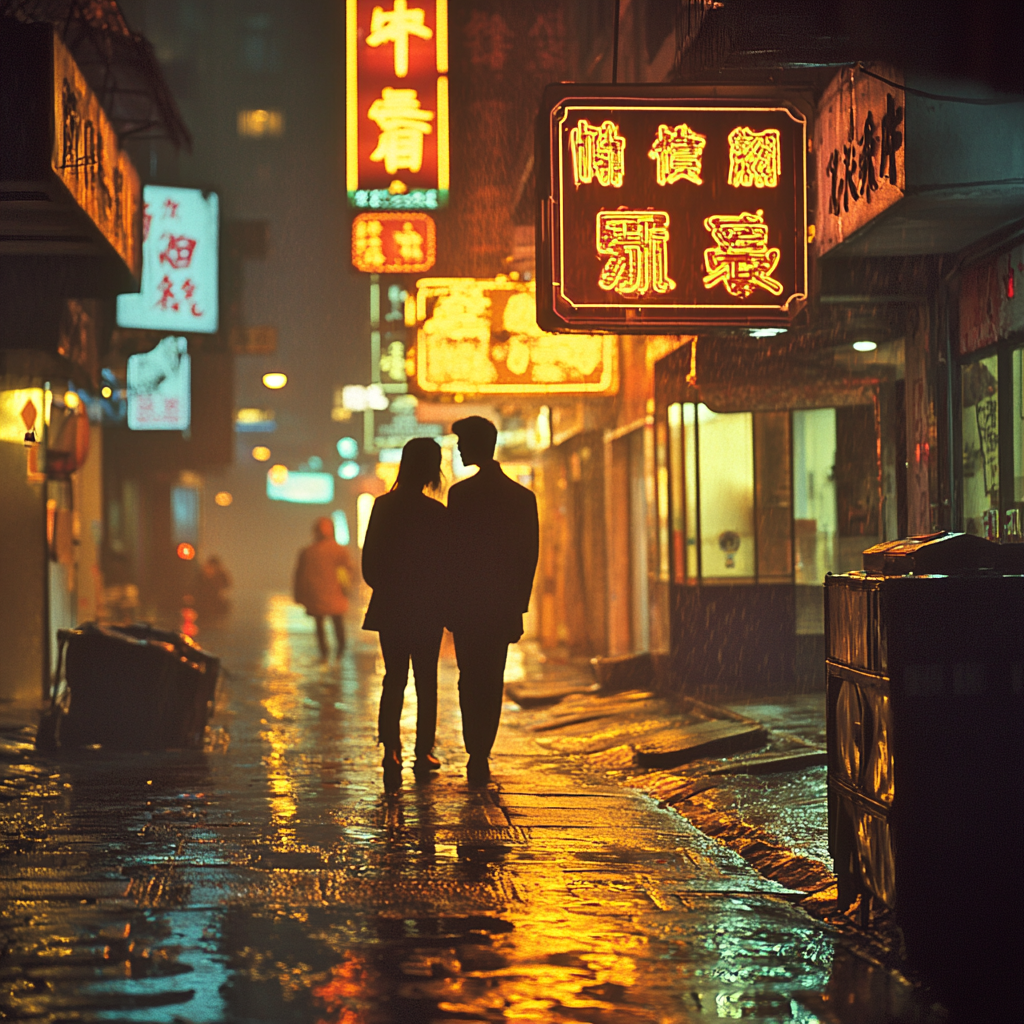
[
  {"x": 160, "y": 387},
  {"x": 179, "y": 263}
]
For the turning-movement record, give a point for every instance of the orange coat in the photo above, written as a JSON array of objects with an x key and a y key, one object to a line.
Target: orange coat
[{"x": 316, "y": 578}]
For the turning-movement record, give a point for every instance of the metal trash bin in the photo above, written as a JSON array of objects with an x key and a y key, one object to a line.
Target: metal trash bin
[
  {"x": 129, "y": 688},
  {"x": 925, "y": 688}
]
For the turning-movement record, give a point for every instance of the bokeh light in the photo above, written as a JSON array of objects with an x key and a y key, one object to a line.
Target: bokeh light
[
  {"x": 277, "y": 474},
  {"x": 275, "y": 381},
  {"x": 261, "y": 453},
  {"x": 348, "y": 447},
  {"x": 223, "y": 498},
  {"x": 186, "y": 551},
  {"x": 348, "y": 470}
]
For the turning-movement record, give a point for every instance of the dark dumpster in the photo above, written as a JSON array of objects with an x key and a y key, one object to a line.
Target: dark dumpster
[
  {"x": 925, "y": 666},
  {"x": 129, "y": 688}
]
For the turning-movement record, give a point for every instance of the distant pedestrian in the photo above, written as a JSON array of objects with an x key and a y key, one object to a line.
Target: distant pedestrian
[
  {"x": 322, "y": 577},
  {"x": 404, "y": 562},
  {"x": 494, "y": 545}
]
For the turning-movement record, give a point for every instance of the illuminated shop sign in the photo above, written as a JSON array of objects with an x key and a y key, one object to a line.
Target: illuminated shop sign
[
  {"x": 481, "y": 337},
  {"x": 397, "y": 104},
  {"x": 301, "y": 488},
  {"x": 160, "y": 387},
  {"x": 88, "y": 159},
  {"x": 858, "y": 141},
  {"x": 179, "y": 263},
  {"x": 394, "y": 243},
  {"x": 662, "y": 213}
]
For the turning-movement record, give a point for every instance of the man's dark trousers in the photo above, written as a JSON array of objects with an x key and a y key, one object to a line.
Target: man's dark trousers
[{"x": 481, "y": 660}]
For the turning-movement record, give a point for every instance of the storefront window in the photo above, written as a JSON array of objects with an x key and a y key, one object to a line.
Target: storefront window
[
  {"x": 675, "y": 461},
  {"x": 814, "y": 494},
  {"x": 980, "y": 438},
  {"x": 726, "y": 460},
  {"x": 661, "y": 468}
]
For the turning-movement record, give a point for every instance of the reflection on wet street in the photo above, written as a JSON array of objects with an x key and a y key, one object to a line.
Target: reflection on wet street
[{"x": 271, "y": 879}]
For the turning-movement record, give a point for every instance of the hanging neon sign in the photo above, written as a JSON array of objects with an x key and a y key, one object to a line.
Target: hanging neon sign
[{"x": 662, "y": 212}]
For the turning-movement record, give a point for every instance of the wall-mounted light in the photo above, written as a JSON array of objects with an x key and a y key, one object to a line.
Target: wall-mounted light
[
  {"x": 275, "y": 381},
  {"x": 865, "y": 346}
]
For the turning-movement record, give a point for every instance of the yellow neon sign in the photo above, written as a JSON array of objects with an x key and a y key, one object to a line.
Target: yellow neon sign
[
  {"x": 481, "y": 337},
  {"x": 740, "y": 260},
  {"x": 395, "y": 26},
  {"x": 755, "y": 158},
  {"x": 678, "y": 154},
  {"x": 636, "y": 244},
  {"x": 597, "y": 152}
]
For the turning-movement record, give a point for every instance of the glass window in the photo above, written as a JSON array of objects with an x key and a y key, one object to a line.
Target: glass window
[
  {"x": 725, "y": 455},
  {"x": 692, "y": 492},
  {"x": 980, "y": 439},
  {"x": 675, "y": 459},
  {"x": 814, "y": 494},
  {"x": 661, "y": 468}
]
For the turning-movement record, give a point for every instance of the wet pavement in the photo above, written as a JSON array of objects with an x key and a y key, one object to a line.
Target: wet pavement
[{"x": 270, "y": 878}]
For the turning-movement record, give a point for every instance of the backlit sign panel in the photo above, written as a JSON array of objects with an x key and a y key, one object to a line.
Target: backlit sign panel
[
  {"x": 301, "y": 488},
  {"x": 160, "y": 387},
  {"x": 179, "y": 263},
  {"x": 480, "y": 336},
  {"x": 394, "y": 243},
  {"x": 661, "y": 212},
  {"x": 397, "y": 104}
]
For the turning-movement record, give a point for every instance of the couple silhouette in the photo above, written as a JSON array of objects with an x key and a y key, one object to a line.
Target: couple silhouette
[{"x": 469, "y": 567}]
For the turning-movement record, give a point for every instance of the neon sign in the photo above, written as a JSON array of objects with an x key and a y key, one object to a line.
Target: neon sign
[
  {"x": 663, "y": 212},
  {"x": 480, "y": 336},
  {"x": 397, "y": 104},
  {"x": 394, "y": 243}
]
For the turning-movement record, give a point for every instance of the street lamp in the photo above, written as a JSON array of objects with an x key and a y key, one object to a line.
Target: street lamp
[{"x": 275, "y": 381}]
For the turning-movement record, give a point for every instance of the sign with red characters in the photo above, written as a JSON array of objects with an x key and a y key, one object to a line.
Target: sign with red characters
[
  {"x": 394, "y": 243},
  {"x": 397, "y": 104},
  {"x": 663, "y": 212}
]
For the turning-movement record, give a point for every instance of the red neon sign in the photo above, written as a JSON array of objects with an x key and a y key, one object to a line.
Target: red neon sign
[
  {"x": 394, "y": 243},
  {"x": 397, "y": 96}
]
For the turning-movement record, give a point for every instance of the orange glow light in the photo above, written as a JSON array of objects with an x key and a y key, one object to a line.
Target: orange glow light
[
  {"x": 394, "y": 243},
  {"x": 277, "y": 474},
  {"x": 261, "y": 453},
  {"x": 186, "y": 551},
  {"x": 275, "y": 381},
  {"x": 223, "y": 498}
]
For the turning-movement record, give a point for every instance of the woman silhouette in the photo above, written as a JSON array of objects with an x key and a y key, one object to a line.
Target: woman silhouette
[{"x": 404, "y": 562}]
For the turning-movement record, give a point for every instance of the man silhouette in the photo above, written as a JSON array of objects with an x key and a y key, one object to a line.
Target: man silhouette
[{"x": 494, "y": 537}]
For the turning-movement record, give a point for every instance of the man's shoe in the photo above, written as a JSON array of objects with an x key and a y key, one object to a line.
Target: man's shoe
[
  {"x": 478, "y": 771},
  {"x": 425, "y": 764}
]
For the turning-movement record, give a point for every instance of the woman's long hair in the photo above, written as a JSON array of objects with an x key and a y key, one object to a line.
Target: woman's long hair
[{"x": 420, "y": 466}]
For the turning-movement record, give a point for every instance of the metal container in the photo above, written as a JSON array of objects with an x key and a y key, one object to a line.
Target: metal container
[
  {"x": 926, "y": 756},
  {"x": 129, "y": 688}
]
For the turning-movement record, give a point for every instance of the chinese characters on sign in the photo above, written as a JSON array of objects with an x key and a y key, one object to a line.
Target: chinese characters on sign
[
  {"x": 397, "y": 104},
  {"x": 664, "y": 212},
  {"x": 88, "y": 159},
  {"x": 179, "y": 263},
  {"x": 160, "y": 387},
  {"x": 859, "y": 145},
  {"x": 480, "y": 336},
  {"x": 394, "y": 243}
]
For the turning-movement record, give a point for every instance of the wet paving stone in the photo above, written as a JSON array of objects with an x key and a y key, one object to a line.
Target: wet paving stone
[{"x": 272, "y": 879}]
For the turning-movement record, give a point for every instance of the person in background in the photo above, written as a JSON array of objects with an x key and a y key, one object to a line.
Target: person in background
[
  {"x": 494, "y": 547},
  {"x": 322, "y": 577},
  {"x": 212, "y": 583},
  {"x": 403, "y": 561}
]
